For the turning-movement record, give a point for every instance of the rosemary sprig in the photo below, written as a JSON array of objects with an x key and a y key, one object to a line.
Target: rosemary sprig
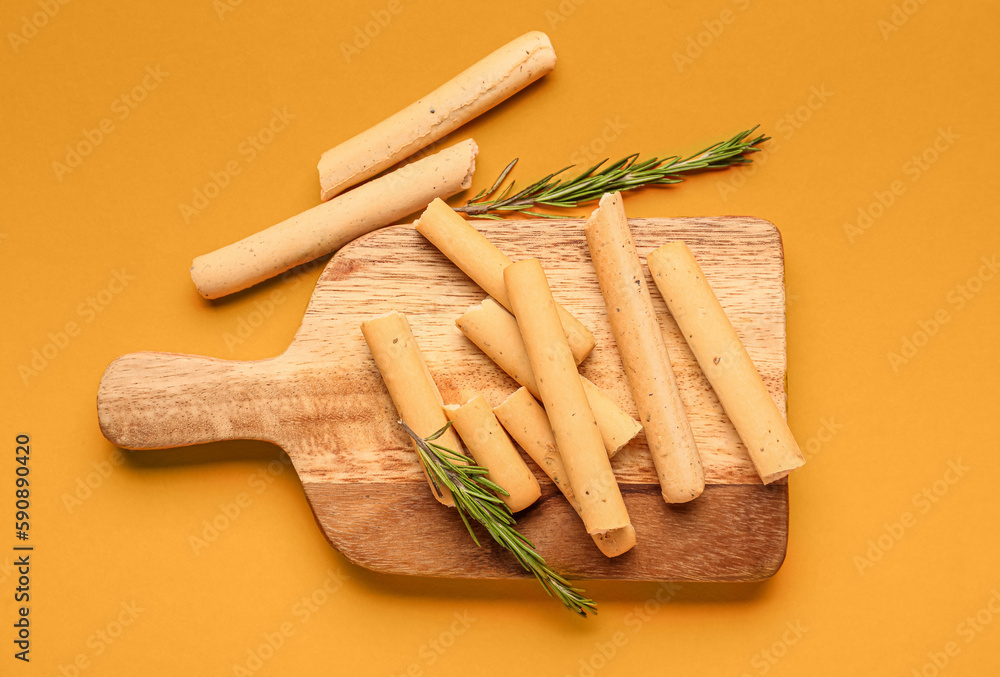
[
  {"x": 625, "y": 174},
  {"x": 474, "y": 497}
]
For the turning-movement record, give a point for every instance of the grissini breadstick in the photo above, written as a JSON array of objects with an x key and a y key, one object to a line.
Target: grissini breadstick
[
  {"x": 329, "y": 226},
  {"x": 617, "y": 428},
  {"x": 577, "y": 435},
  {"x": 527, "y": 423},
  {"x": 725, "y": 361},
  {"x": 409, "y": 382},
  {"x": 644, "y": 352},
  {"x": 489, "y": 445},
  {"x": 472, "y": 92},
  {"x": 495, "y": 331},
  {"x": 478, "y": 258}
]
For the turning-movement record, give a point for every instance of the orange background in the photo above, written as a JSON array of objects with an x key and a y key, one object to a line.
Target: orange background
[{"x": 885, "y": 97}]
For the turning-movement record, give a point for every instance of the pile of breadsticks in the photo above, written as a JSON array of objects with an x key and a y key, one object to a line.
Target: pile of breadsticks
[{"x": 565, "y": 423}]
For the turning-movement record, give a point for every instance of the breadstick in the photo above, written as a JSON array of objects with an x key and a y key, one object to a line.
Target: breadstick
[
  {"x": 492, "y": 449},
  {"x": 576, "y": 433},
  {"x": 329, "y": 226},
  {"x": 472, "y": 92},
  {"x": 617, "y": 428},
  {"x": 725, "y": 361},
  {"x": 527, "y": 423},
  {"x": 409, "y": 382},
  {"x": 478, "y": 258},
  {"x": 644, "y": 352},
  {"x": 495, "y": 331}
]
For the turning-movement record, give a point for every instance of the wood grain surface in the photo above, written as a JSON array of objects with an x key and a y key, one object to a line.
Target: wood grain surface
[{"x": 323, "y": 401}]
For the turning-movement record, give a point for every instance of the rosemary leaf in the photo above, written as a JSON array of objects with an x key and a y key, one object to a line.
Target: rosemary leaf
[
  {"x": 471, "y": 492},
  {"x": 625, "y": 174}
]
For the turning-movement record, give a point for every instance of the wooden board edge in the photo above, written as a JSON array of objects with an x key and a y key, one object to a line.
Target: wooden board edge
[{"x": 734, "y": 532}]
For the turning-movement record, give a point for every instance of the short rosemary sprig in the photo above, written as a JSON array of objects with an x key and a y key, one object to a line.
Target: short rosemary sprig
[
  {"x": 473, "y": 496},
  {"x": 625, "y": 174}
]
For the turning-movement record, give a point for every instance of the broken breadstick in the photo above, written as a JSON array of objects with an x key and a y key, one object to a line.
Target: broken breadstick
[
  {"x": 413, "y": 391},
  {"x": 725, "y": 361},
  {"x": 478, "y": 258},
  {"x": 617, "y": 428},
  {"x": 577, "y": 435},
  {"x": 472, "y": 92},
  {"x": 643, "y": 352},
  {"x": 495, "y": 331},
  {"x": 523, "y": 417},
  {"x": 492, "y": 449},
  {"x": 329, "y": 226}
]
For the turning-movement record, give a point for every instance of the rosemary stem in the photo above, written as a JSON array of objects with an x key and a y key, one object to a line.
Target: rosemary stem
[
  {"x": 625, "y": 174},
  {"x": 474, "y": 497}
]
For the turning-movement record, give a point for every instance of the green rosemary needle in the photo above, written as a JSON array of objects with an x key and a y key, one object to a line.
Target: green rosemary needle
[
  {"x": 625, "y": 174},
  {"x": 474, "y": 497}
]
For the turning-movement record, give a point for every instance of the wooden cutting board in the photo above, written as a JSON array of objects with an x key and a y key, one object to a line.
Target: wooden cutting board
[{"x": 324, "y": 403}]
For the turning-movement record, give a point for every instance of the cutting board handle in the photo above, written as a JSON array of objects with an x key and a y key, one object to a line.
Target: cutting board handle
[{"x": 158, "y": 400}]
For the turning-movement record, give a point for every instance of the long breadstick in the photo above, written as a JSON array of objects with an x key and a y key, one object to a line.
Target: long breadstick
[
  {"x": 492, "y": 449},
  {"x": 413, "y": 391},
  {"x": 527, "y": 423},
  {"x": 329, "y": 226},
  {"x": 495, "y": 331},
  {"x": 725, "y": 361},
  {"x": 643, "y": 351},
  {"x": 478, "y": 258},
  {"x": 576, "y": 433},
  {"x": 474, "y": 91}
]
